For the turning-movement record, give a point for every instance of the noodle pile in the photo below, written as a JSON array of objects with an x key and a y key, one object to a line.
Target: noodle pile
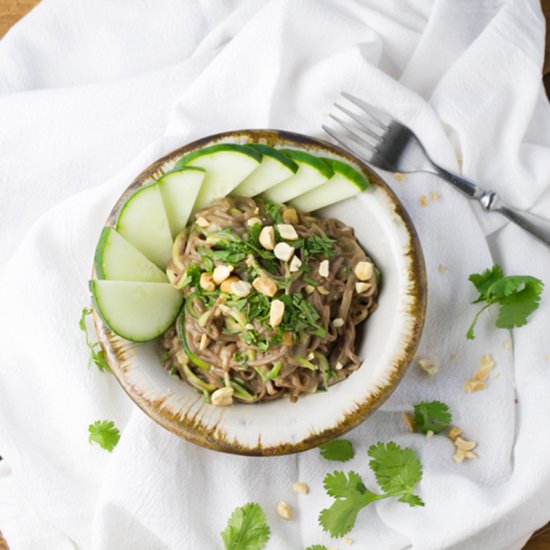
[{"x": 226, "y": 341}]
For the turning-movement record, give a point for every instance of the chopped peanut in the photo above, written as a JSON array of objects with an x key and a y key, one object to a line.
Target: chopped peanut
[
  {"x": 267, "y": 237},
  {"x": 290, "y": 215},
  {"x": 207, "y": 282},
  {"x": 287, "y": 231},
  {"x": 464, "y": 445},
  {"x": 276, "y": 313},
  {"x": 284, "y": 510},
  {"x": 442, "y": 268},
  {"x": 253, "y": 221},
  {"x": 423, "y": 201},
  {"x": 362, "y": 287},
  {"x": 454, "y": 432},
  {"x": 226, "y": 285},
  {"x": 324, "y": 268},
  {"x": 295, "y": 264},
  {"x": 221, "y": 272},
  {"x": 338, "y": 366},
  {"x": 472, "y": 386},
  {"x": 428, "y": 366},
  {"x": 322, "y": 291},
  {"x": 338, "y": 322},
  {"x": 241, "y": 288},
  {"x": 265, "y": 285},
  {"x": 309, "y": 289},
  {"x": 222, "y": 397},
  {"x": 434, "y": 196},
  {"x": 363, "y": 271},
  {"x": 398, "y": 176},
  {"x": 283, "y": 251},
  {"x": 300, "y": 487}
]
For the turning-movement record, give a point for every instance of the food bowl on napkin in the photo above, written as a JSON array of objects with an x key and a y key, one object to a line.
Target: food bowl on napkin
[{"x": 386, "y": 344}]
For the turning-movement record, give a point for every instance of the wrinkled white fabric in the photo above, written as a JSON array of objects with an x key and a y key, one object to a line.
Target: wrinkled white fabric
[{"x": 92, "y": 92}]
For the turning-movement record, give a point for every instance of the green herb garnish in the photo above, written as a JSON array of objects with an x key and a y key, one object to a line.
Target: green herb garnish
[
  {"x": 104, "y": 433},
  {"x": 397, "y": 471},
  {"x": 96, "y": 353},
  {"x": 340, "y": 450},
  {"x": 431, "y": 416},
  {"x": 517, "y": 296},
  {"x": 246, "y": 529}
]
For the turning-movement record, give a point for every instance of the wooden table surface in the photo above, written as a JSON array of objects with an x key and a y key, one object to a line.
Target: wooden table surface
[{"x": 12, "y": 10}]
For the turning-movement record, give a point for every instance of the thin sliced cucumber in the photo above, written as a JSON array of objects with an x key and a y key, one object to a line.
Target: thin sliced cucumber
[
  {"x": 312, "y": 172},
  {"x": 226, "y": 165},
  {"x": 143, "y": 222},
  {"x": 179, "y": 190},
  {"x": 274, "y": 168},
  {"x": 345, "y": 183},
  {"x": 136, "y": 311},
  {"x": 180, "y": 326},
  {"x": 117, "y": 260}
]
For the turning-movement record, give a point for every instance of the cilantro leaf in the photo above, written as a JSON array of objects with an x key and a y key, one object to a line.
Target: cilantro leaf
[
  {"x": 431, "y": 416},
  {"x": 397, "y": 471},
  {"x": 517, "y": 296},
  {"x": 104, "y": 433},
  {"x": 96, "y": 353},
  {"x": 483, "y": 281},
  {"x": 246, "y": 528},
  {"x": 338, "y": 449}
]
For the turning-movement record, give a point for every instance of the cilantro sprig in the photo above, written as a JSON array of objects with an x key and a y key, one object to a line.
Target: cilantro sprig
[
  {"x": 432, "y": 416},
  {"x": 397, "y": 471},
  {"x": 246, "y": 528},
  {"x": 96, "y": 353},
  {"x": 517, "y": 297},
  {"x": 104, "y": 433},
  {"x": 340, "y": 450}
]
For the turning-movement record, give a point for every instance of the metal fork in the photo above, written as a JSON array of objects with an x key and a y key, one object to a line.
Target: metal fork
[{"x": 380, "y": 140}]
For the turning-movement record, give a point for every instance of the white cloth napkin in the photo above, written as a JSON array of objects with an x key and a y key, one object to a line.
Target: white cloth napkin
[{"x": 92, "y": 92}]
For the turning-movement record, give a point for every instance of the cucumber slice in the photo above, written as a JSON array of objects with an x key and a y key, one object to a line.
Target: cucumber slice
[
  {"x": 226, "y": 165},
  {"x": 180, "y": 326},
  {"x": 312, "y": 172},
  {"x": 117, "y": 260},
  {"x": 179, "y": 190},
  {"x": 345, "y": 183},
  {"x": 143, "y": 222},
  {"x": 274, "y": 168},
  {"x": 136, "y": 311}
]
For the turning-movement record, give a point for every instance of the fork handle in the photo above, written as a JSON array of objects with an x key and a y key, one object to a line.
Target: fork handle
[
  {"x": 491, "y": 202},
  {"x": 538, "y": 227}
]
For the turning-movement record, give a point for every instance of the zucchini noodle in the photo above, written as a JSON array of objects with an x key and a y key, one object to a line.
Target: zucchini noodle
[{"x": 226, "y": 340}]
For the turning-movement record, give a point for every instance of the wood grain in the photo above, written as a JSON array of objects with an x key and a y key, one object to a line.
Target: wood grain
[{"x": 12, "y": 10}]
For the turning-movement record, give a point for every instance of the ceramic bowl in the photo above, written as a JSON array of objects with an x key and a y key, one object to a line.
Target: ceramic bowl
[{"x": 386, "y": 345}]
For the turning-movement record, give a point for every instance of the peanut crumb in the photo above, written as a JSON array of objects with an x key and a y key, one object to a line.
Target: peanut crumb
[
  {"x": 454, "y": 432},
  {"x": 472, "y": 386},
  {"x": 300, "y": 487},
  {"x": 442, "y": 268},
  {"x": 398, "y": 176},
  {"x": 429, "y": 434},
  {"x": 434, "y": 195},
  {"x": 284, "y": 510},
  {"x": 423, "y": 201},
  {"x": 347, "y": 541},
  {"x": 454, "y": 356},
  {"x": 428, "y": 366},
  {"x": 507, "y": 344}
]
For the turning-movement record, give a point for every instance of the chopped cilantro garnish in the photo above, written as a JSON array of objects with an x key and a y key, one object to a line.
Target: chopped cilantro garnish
[{"x": 96, "y": 353}]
